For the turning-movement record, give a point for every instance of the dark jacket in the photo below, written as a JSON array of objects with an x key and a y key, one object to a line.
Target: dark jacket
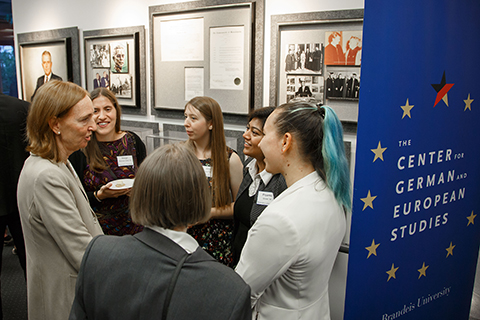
[{"x": 127, "y": 278}]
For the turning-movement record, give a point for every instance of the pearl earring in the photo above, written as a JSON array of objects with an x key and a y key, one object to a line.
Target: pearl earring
[{"x": 58, "y": 132}]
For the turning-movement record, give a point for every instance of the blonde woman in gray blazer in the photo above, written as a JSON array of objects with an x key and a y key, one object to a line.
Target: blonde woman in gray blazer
[{"x": 57, "y": 220}]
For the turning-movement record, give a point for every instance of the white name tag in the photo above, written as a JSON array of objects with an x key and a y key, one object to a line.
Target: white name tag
[
  {"x": 124, "y": 161},
  {"x": 208, "y": 171},
  {"x": 265, "y": 198}
]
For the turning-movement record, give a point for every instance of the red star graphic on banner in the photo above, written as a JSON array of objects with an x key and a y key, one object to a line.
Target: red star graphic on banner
[{"x": 442, "y": 88}]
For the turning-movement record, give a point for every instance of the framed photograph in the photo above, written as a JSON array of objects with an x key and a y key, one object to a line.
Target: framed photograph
[
  {"x": 303, "y": 58},
  {"x": 48, "y": 55},
  {"x": 299, "y": 64},
  {"x": 305, "y": 86},
  {"x": 222, "y": 40},
  {"x": 121, "y": 85},
  {"x": 343, "y": 48},
  {"x": 101, "y": 78},
  {"x": 117, "y": 62},
  {"x": 342, "y": 84},
  {"x": 100, "y": 55}
]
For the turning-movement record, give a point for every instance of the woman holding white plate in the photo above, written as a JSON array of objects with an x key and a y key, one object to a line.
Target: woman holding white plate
[{"x": 108, "y": 164}]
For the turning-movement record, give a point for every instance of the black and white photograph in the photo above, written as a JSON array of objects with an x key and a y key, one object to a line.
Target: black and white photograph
[
  {"x": 100, "y": 56},
  {"x": 305, "y": 87},
  {"x": 304, "y": 58},
  {"x": 121, "y": 85},
  {"x": 342, "y": 85}
]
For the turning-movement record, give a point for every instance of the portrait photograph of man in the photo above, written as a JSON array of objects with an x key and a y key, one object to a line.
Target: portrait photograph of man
[
  {"x": 40, "y": 64},
  {"x": 119, "y": 61}
]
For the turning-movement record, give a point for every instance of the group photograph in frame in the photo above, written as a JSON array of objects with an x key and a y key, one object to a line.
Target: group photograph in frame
[
  {"x": 342, "y": 84},
  {"x": 121, "y": 85},
  {"x": 101, "y": 78},
  {"x": 100, "y": 55},
  {"x": 343, "y": 48},
  {"x": 121, "y": 66},
  {"x": 301, "y": 68},
  {"x": 304, "y": 58}
]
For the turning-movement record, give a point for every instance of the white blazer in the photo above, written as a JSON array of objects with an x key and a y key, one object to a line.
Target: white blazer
[
  {"x": 57, "y": 224},
  {"x": 290, "y": 252}
]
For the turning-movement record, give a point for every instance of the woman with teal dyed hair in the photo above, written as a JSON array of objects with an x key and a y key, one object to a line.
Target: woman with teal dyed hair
[{"x": 291, "y": 248}]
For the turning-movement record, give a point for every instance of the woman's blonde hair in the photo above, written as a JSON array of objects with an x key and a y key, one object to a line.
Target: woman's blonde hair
[
  {"x": 53, "y": 100},
  {"x": 92, "y": 150},
  {"x": 170, "y": 189},
  {"x": 211, "y": 110}
]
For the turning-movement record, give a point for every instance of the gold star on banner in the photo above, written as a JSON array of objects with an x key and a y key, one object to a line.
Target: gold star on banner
[
  {"x": 372, "y": 249},
  {"x": 468, "y": 103},
  {"x": 378, "y": 152},
  {"x": 450, "y": 250},
  {"x": 471, "y": 218},
  {"x": 423, "y": 270},
  {"x": 406, "y": 110},
  {"x": 391, "y": 272},
  {"x": 368, "y": 201}
]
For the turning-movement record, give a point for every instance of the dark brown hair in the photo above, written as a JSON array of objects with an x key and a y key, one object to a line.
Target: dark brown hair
[{"x": 92, "y": 151}]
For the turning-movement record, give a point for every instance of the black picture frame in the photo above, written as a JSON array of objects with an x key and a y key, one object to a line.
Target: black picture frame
[
  {"x": 306, "y": 22},
  {"x": 135, "y": 35},
  {"x": 256, "y": 44},
  {"x": 63, "y": 46}
]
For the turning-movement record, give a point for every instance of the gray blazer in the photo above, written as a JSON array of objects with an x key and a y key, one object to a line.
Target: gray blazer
[
  {"x": 58, "y": 224},
  {"x": 127, "y": 278}
]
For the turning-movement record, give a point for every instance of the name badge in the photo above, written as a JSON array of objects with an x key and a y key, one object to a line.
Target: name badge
[
  {"x": 208, "y": 171},
  {"x": 265, "y": 198},
  {"x": 124, "y": 161}
]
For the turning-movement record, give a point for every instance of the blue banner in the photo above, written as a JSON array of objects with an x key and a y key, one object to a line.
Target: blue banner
[{"x": 415, "y": 226}]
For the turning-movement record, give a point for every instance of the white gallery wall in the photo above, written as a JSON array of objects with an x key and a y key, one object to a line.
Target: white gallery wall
[{"x": 40, "y": 15}]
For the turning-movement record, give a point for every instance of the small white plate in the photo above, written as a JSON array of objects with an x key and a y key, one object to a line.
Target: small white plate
[{"x": 121, "y": 184}]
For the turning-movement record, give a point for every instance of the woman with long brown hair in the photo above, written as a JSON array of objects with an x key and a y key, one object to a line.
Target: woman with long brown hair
[
  {"x": 223, "y": 168},
  {"x": 112, "y": 155}
]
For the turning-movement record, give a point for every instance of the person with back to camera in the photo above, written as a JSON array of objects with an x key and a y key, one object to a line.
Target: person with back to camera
[
  {"x": 258, "y": 187},
  {"x": 223, "y": 168},
  {"x": 135, "y": 277},
  {"x": 291, "y": 248},
  {"x": 112, "y": 154},
  {"x": 57, "y": 220},
  {"x": 13, "y": 118}
]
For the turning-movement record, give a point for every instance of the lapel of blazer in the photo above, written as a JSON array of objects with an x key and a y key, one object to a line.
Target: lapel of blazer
[
  {"x": 75, "y": 177},
  {"x": 247, "y": 179},
  {"x": 168, "y": 247},
  {"x": 73, "y": 174}
]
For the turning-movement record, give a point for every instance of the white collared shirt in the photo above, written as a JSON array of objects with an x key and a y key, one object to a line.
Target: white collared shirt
[
  {"x": 264, "y": 175},
  {"x": 183, "y": 239}
]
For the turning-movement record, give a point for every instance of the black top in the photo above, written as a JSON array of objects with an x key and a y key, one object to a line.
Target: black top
[{"x": 79, "y": 163}]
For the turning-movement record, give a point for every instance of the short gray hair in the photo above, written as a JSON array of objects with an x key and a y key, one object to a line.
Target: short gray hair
[{"x": 170, "y": 189}]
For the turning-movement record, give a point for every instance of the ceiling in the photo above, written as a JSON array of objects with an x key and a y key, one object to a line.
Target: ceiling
[{"x": 6, "y": 20}]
